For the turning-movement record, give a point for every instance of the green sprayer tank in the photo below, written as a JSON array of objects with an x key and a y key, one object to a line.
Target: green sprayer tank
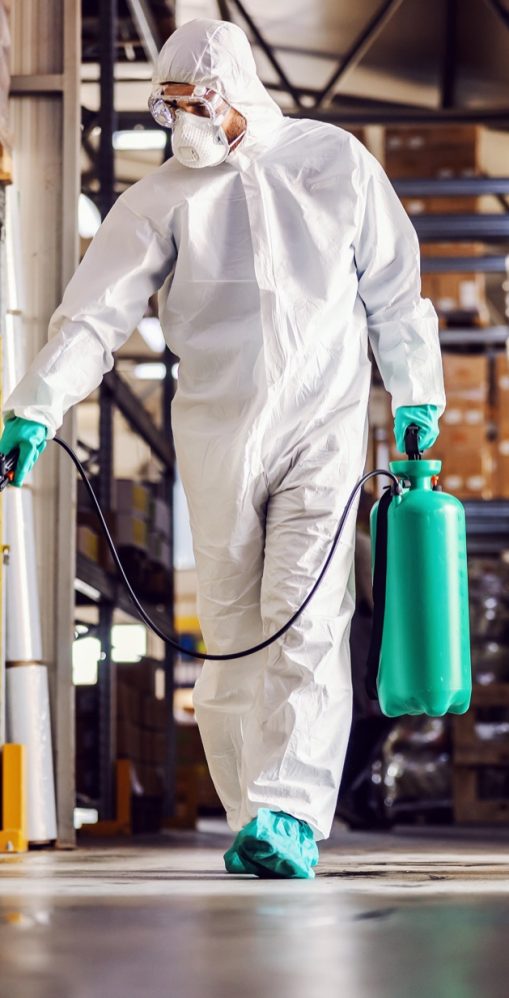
[{"x": 423, "y": 655}]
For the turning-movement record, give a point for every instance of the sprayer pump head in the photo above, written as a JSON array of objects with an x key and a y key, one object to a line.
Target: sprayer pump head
[
  {"x": 7, "y": 467},
  {"x": 412, "y": 443}
]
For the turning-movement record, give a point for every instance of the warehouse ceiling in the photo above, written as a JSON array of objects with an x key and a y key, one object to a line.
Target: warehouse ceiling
[{"x": 431, "y": 54}]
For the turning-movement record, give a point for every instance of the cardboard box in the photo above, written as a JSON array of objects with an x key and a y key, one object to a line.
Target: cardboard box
[
  {"x": 160, "y": 517},
  {"x": 501, "y": 411},
  {"x": 460, "y": 437},
  {"x": 457, "y": 294},
  {"x": 461, "y": 412},
  {"x": 432, "y": 150},
  {"x": 146, "y": 676},
  {"x": 502, "y": 469},
  {"x": 441, "y": 206},
  {"x": 159, "y": 550},
  {"x": 467, "y": 473},
  {"x": 131, "y": 497},
  {"x": 466, "y": 375},
  {"x": 130, "y": 531},
  {"x": 452, "y": 249},
  {"x": 88, "y": 542}
]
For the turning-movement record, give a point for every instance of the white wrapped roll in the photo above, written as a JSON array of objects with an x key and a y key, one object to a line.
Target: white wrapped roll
[
  {"x": 28, "y": 723},
  {"x": 23, "y": 625}
]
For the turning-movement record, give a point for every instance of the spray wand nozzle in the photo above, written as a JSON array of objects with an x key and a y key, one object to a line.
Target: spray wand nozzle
[
  {"x": 8, "y": 464},
  {"x": 412, "y": 443}
]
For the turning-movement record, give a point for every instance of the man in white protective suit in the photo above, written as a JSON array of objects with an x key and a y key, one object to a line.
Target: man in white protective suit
[{"x": 280, "y": 249}]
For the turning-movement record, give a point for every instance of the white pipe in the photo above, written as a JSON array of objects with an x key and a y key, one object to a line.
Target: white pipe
[
  {"x": 23, "y": 623},
  {"x": 28, "y": 724}
]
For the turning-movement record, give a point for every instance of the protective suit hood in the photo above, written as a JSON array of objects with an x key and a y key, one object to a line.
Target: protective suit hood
[{"x": 218, "y": 55}]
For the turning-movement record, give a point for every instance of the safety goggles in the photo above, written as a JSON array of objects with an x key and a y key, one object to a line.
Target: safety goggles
[{"x": 167, "y": 99}]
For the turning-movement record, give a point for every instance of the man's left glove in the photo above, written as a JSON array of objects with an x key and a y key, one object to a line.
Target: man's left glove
[
  {"x": 424, "y": 416},
  {"x": 30, "y": 438}
]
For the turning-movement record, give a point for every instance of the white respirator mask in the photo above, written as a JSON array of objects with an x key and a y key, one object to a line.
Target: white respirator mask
[{"x": 198, "y": 142}]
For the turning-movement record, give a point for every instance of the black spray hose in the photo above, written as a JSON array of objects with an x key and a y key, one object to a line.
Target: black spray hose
[{"x": 170, "y": 639}]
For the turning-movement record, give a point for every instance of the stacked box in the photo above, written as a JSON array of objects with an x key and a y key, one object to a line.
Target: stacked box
[
  {"x": 88, "y": 542},
  {"x": 130, "y": 531},
  {"x": 87, "y": 742},
  {"x": 160, "y": 533},
  {"x": 142, "y": 723},
  {"x": 131, "y": 498},
  {"x": 463, "y": 445},
  {"x": 159, "y": 577},
  {"x": 159, "y": 550},
  {"x": 481, "y": 736},
  {"x": 432, "y": 151},
  {"x": 145, "y": 676},
  {"x": 129, "y": 527},
  {"x": 439, "y": 151},
  {"x": 501, "y": 417},
  {"x": 459, "y": 297},
  {"x": 131, "y": 501},
  {"x": 441, "y": 206},
  {"x": 481, "y": 757}
]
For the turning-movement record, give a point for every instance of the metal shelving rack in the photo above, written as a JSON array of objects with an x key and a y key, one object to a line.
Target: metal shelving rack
[
  {"x": 110, "y": 593},
  {"x": 487, "y": 520},
  {"x": 115, "y": 394}
]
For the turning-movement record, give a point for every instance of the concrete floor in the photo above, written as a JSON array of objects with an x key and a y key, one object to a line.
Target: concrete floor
[{"x": 410, "y": 914}]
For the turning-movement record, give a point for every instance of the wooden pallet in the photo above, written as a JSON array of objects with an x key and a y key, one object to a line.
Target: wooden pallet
[
  {"x": 472, "y": 757},
  {"x": 469, "y": 807}
]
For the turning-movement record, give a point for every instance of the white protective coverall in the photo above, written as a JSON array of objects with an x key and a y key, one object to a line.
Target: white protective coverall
[{"x": 275, "y": 268}]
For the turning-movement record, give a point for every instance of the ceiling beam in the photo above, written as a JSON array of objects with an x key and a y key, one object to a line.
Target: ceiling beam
[
  {"x": 499, "y": 10},
  {"x": 433, "y": 116},
  {"x": 361, "y": 45},
  {"x": 264, "y": 45},
  {"x": 146, "y": 28},
  {"x": 449, "y": 55}
]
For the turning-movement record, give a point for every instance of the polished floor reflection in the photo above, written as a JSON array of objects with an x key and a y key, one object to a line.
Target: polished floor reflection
[{"x": 402, "y": 915}]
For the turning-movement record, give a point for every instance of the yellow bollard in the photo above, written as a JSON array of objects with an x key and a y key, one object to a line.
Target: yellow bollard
[{"x": 13, "y": 831}]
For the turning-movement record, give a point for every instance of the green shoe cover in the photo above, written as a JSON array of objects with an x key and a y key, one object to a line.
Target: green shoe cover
[
  {"x": 233, "y": 862},
  {"x": 277, "y": 845}
]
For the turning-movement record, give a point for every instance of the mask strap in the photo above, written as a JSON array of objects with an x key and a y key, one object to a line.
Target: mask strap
[{"x": 233, "y": 145}]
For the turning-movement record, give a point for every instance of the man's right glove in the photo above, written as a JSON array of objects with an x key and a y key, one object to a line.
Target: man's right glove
[
  {"x": 30, "y": 438},
  {"x": 424, "y": 416}
]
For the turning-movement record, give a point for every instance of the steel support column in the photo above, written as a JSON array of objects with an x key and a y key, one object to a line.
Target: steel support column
[
  {"x": 45, "y": 121},
  {"x": 169, "y": 658},
  {"x": 106, "y": 170}
]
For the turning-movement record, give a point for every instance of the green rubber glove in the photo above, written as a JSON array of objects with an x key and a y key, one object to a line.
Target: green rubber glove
[
  {"x": 274, "y": 845},
  {"x": 30, "y": 438},
  {"x": 424, "y": 416}
]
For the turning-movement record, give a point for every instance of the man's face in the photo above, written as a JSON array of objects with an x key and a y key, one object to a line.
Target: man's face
[
  {"x": 178, "y": 91},
  {"x": 203, "y": 102}
]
